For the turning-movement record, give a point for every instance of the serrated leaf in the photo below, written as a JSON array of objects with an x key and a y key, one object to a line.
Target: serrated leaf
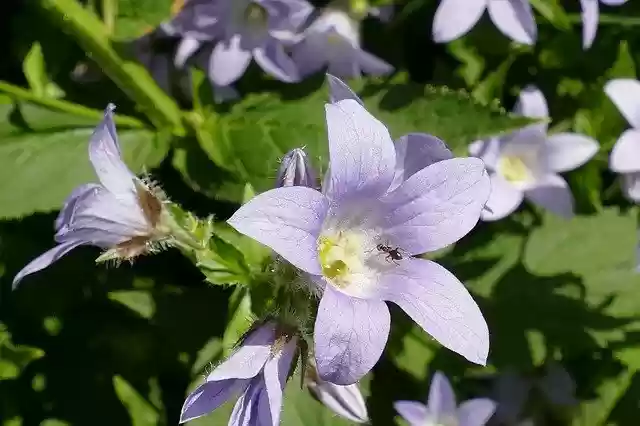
[
  {"x": 222, "y": 263},
  {"x": 262, "y": 128},
  {"x": 39, "y": 170}
]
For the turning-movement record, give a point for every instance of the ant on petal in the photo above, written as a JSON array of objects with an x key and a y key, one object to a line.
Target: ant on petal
[{"x": 393, "y": 254}]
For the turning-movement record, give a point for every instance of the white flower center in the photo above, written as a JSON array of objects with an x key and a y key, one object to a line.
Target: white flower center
[
  {"x": 256, "y": 15},
  {"x": 514, "y": 169},
  {"x": 340, "y": 22}
]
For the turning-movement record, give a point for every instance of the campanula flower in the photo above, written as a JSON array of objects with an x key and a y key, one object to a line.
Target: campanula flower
[
  {"x": 345, "y": 401},
  {"x": 512, "y": 391},
  {"x": 357, "y": 240},
  {"x": 257, "y": 371},
  {"x": 122, "y": 214},
  {"x": 625, "y": 155},
  {"x": 441, "y": 407},
  {"x": 332, "y": 41},
  {"x": 526, "y": 163},
  {"x": 414, "y": 151},
  {"x": 296, "y": 170},
  {"x": 514, "y": 18},
  {"x": 590, "y": 16}
]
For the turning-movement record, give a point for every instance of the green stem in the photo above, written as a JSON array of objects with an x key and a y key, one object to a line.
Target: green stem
[
  {"x": 65, "y": 106},
  {"x": 90, "y": 33},
  {"x": 109, "y": 13},
  {"x": 605, "y": 19}
]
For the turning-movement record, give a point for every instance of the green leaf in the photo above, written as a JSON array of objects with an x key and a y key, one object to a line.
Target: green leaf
[
  {"x": 262, "y": 128},
  {"x": 14, "y": 358},
  {"x": 553, "y": 11},
  {"x": 131, "y": 77},
  {"x": 141, "y": 412},
  {"x": 141, "y": 302},
  {"x": 39, "y": 170},
  {"x": 135, "y": 18},
  {"x": 222, "y": 263},
  {"x": 240, "y": 319},
  {"x": 35, "y": 71}
]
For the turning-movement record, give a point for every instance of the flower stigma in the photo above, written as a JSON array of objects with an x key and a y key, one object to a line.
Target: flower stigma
[
  {"x": 513, "y": 169},
  {"x": 342, "y": 256}
]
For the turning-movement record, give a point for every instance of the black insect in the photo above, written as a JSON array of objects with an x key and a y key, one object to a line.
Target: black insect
[{"x": 392, "y": 253}]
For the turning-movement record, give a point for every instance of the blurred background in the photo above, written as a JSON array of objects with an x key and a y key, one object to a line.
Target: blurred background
[{"x": 96, "y": 345}]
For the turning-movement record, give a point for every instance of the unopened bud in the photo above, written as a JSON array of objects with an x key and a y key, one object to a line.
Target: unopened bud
[
  {"x": 295, "y": 170},
  {"x": 346, "y": 401}
]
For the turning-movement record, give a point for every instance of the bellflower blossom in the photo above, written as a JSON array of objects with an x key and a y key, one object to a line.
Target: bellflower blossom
[
  {"x": 258, "y": 370},
  {"x": 625, "y": 155},
  {"x": 514, "y": 18},
  {"x": 441, "y": 407},
  {"x": 526, "y": 163},
  {"x": 590, "y": 16},
  {"x": 246, "y": 30},
  {"x": 357, "y": 238},
  {"x": 512, "y": 390},
  {"x": 121, "y": 214},
  {"x": 345, "y": 401},
  {"x": 332, "y": 40}
]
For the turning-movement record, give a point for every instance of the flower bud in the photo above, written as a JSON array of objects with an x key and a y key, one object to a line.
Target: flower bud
[
  {"x": 346, "y": 401},
  {"x": 295, "y": 170}
]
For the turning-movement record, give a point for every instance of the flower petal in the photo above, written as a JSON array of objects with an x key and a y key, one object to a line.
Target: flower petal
[
  {"x": 70, "y": 204},
  {"x": 625, "y": 94},
  {"x": 414, "y": 152},
  {"x": 276, "y": 372},
  {"x": 361, "y": 153},
  {"x": 625, "y": 155},
  {"x": 532, "y": 103},
  {"x": 503, "y": 200},
  {"x": 439, "y": 303},
  {"x": 487, "y": 150},
  {"x": 345, "y": 401},
  {"x": 436, "y": 206},
  {"x": 186, "y": 48},
  {"x": 476, "y": 412},
  {"x": 310, "y": 54},
  {"x": 104, "y": 153},
  {"x": 515, "y": 19},
  {"x": 454, "y": 18},
  {"x": 350, "y": 335},
  {"x": 371, "y": 64},
  {"x": 442, "y": 400},
  {"x": 413, "y": 412},
  {"x": 228, "y": 61},
  {"x": 275, "y": 62},
  {"x": 339, "y": 91},
  {"x": 45, "y": 259},
  {"x": 590, "y": 15},
  {"x": 251, "y": 409},
  {"x": 288, "y": 220},
  {"x": 209, "y": 396},
  {"x": 631, "y": 186},
  {"x": 249, "y": 359},
  {"x": 568, "y": 151},
  {"x": 552, "y": 193}
]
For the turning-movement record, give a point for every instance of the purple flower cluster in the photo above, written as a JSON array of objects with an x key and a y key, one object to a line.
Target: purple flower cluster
[{"x": 286, "y": 38}]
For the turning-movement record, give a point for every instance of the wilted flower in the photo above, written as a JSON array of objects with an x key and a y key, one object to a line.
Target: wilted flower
[
  {"x": 512, "y": 392},
  {"x": 625, "y": 155},
  {"x": 514, "y": 18},
  {"x": 346, "y": 401},
  {"x": 258, "y": 370},
  {"x": 245, "y": 29},
  {"x": 296, "y": 170},
  {"x": 122, "y": 214},
  {"x": 441, "y": 407},
  {"x": 357, "y": 239},
  {"x": 526, "y": 163},
  {"x": 333, "y": 41},
  {"x": 590, "y": 17}
]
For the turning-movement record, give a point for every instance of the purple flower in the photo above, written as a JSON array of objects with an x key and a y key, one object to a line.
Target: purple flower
[
  {"x": 590, "y": 15},
  {"x": 121, "y": 214},
  {"x": 357, "y": 239},
  {"x": 258, "y": 370},
  {"x": 512, "y": 392},
  {"x": 526, "y": 163},
  {"x": 333, "y": 41},
  {"x": 514, "y": 18},
  {"x": 345, "y": 401},
  {"x": 295, "y": 170},
  {"x": 625, "y": 155},
  {"x": 246, "y": 29},
  {"x": 441, "y": 407},
  {"x": 414, "y": 151}
]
